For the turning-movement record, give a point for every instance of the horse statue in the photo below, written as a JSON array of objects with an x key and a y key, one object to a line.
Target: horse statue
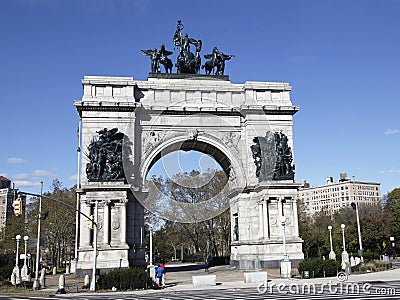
[
  {"x": 215, "y": 60},
  {"x": 164, "y": 60},
  {"x": 221, "y": 64},
  {"x": 197, "y": 57},
  {"x": 155, "y": 59}
]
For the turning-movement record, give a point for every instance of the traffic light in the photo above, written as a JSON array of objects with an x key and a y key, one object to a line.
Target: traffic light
[
  {"x": 90, "y": 222},
  {"x": 353, "y": 205},
  {"x": 17, "y": 205}
]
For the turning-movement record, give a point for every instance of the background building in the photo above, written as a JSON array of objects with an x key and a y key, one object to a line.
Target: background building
[
  {"x": 334, "y": 196},
  {"x": 7, "y": 196}
]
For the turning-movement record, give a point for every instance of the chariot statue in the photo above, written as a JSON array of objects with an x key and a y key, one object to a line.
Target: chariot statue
[{"x": 187, "y": 62}]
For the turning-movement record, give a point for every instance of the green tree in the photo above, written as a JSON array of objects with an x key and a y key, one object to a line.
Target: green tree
[
  {"x": 375, "y": 224},
  {"x": 392, "y": 207},
  {"x": 210, "y": 237},
  {"x": 14, "y": 226},
  {"x": 58, "y": 228}
]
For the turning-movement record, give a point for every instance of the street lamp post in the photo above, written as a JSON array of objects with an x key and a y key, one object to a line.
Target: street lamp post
[
  {"x": 355, "y": 206},
  {"x": 393, "y": 246},
  {"x": 345, "y": 255},
  {"x": 36, "y": 284},
  {"x": 24, "y": 271},
  {"x": 151, "y": 268},
  {"x": 151, "y": 248},
  {"x": 283, "y": 222},
  {"x": 286, "y": 265},
  {"x": 332, "y": 254},
  {"x": 16, "y": 270}
]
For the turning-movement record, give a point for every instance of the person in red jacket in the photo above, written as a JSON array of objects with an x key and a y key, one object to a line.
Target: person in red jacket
[{"x": 162, "y": 265}]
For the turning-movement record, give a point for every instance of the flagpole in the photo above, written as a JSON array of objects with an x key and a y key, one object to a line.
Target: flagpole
[{"x": 78, "y": 186}]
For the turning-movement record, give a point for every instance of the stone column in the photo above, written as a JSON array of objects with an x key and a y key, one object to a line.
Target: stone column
[
  {"x": 280, "y": 207},
  {"x": 295, "y": 219},
  {"x": 84, "y": 229},
  {"x": 115, "y": 225},
  {"x": 266, "y": 219},
  {"x": 124, "y": 202},
  {"x": 274, "y": 214},
  {"x": 261, "y": 218},
  {"x": 106, "y": 224}
]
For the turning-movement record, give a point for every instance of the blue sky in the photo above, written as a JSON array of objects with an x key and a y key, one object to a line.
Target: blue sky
[{"x": 341, "y": 57}]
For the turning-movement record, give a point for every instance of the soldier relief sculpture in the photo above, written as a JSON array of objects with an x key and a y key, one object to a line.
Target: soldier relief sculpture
[
  {"x": 105, "y": 156},
  {"x": 273, "y": 157},
  {"x": 187, "y": 61}
]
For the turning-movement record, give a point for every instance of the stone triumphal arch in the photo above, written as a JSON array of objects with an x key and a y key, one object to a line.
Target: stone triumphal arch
[{"x": 127, "y": 125}]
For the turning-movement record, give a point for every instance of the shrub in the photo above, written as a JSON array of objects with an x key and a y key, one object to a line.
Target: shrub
[
  {"x": 316, "y": 268},
  {"x": 373, "y": 266},
  {"x": 370, "y": 255},
  {"x": 220, "y": 260},
  {"x": 198, "y": 257},
  {"x": 124, "y": 279},
  {"x": 7, "y": 264}
]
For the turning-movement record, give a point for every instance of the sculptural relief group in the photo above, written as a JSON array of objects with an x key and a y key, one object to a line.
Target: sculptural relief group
[{"x": 187, "y": 61}]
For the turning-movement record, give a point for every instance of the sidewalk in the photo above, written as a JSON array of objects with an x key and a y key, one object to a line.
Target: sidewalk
[{"x": 227, "y": 279}]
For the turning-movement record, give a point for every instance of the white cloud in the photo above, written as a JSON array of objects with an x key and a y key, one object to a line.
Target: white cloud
[
  {"x": 392, "y": 131},
  {"x": 73, "y": 177},
  {"x": 22, "y": 176},
  {"x": 3, "y": 174},
  {"x": 25, "y": 183},
  {"x": 42, "y": 173},
  {"x": 391, "y": 171},
  {"x": 15, "y": 160}
]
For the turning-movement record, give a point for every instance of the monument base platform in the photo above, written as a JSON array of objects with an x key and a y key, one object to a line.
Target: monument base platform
[
  {"x": 188, "y": 76},
  {"x": 265, "y": 255}
]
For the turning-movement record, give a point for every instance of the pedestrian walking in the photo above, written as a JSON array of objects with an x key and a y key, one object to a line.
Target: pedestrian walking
[
  {"x": 164, "y": 273},
  {"x": 159, "y": 274}
]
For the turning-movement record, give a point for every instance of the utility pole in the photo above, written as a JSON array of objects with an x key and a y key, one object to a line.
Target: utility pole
[
  {"x": 36, "y": 284},
  {"x": 78, "y": 186},
  {"x": 96, "y": 214}
]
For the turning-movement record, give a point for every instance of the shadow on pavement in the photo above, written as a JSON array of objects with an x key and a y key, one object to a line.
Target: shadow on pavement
[{"x": 185, "y": 268}]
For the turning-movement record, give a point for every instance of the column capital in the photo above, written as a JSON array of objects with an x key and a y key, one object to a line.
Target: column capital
[{"x": 124, "y": 200}]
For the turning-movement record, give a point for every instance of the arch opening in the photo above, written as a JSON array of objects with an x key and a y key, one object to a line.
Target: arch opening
[
  {"x": 188, "y": 181},
  {"x": 222, "y": 161}
]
